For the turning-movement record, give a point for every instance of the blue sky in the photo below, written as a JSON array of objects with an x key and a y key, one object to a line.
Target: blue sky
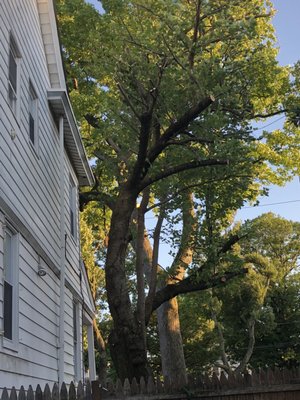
[
  {"x": 287, "y": 27},
  {"x": 284, "y": 201}
]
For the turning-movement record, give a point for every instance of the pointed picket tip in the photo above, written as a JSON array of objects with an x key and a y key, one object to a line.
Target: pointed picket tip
[
  {"x": 134, "y": 387},
  {"x": 30, "y": 393},
  {"x": 142, "y": 386},
  {"x": 47, "y": 392},
  {"x": 63, "y": 392},
  {"x": 5, "y": 394},
  {"x": 13, "y": 394},
  {"x": 126, "y": 387},
  {"x": 80, "y": 391},
  {"x": 119, "y": 387},
  {"x": 72, "y": 391},
  {"x": 55, "y": 392},
  {"x": 22, "y": 393}
]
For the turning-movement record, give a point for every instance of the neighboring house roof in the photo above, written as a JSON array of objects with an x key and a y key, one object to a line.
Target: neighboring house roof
[{"x": 57, "y": 94}]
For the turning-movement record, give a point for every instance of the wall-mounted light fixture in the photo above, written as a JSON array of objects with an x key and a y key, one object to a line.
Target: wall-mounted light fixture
[{"x": 41, "y": 270}]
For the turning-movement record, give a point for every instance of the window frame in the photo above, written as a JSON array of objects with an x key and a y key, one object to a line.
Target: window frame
[
  {"x": 14, "y": 88},
  {"x": 73, "y": 208},
  {"x": 33, "y": 116},
  {"x": 13, "y": 280}
]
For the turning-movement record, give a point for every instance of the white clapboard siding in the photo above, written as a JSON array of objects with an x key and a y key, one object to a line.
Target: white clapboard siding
[
  {"x": 1, "y": 264},
  {"x": 21, "y": 166},
  {"x": 38, "y": 322},
  {"x": 30, "y": 179},
  {"x": 69, "y": 340}
]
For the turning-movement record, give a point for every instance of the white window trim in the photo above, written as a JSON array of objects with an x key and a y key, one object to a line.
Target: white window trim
[
  {"x": 73, "y": 205},
  {"x": 16, "y": 110},
  {"x": 13, "y": 344},
  {"x": 32, "y": 96}
]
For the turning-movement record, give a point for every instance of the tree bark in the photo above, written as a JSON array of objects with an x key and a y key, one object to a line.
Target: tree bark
[{"x": 126, "y": 342}]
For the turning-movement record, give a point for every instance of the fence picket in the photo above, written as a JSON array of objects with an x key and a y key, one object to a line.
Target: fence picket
[
  {"x": 55, "y": 392},
  {"x": 119, "y": 387},
  {"x": 88, "y": 391},
  {"x": 265, "y": 384},
  {"x": 72, "y": 391},
  {"x": 63, "y": 392},
  {"x": 30, "y": 393},
  {"x": 126, "y": 388},
  {"x": 22, "y": 394},
  {"x": 151, "y": 386},
  {"x": 5, "y": 394},
  {"x": 159, "y": 386},
  {"x": 142, "y": 386},
  {"x": 80, "y": 391},
  {"x": 13, "y": 394},
  {"x": 134, "y": 387}
]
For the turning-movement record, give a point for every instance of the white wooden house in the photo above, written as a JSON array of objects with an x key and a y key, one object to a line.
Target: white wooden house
[{"x": 45, "y": 299}]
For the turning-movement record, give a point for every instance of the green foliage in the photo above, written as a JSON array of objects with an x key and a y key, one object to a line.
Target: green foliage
[
  {"x": 159, "y": 59},
  {"x": 269, "y": 294}
]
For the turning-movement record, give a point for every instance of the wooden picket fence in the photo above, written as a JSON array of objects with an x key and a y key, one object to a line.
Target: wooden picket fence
[{"x": 263, "y": 385}]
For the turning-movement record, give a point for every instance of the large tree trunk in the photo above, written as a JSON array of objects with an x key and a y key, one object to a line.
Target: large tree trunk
[
  {"x": 170, "y": 343},
  {"x": 170, "y": 339},
  {"x": 126, "y": 342}
]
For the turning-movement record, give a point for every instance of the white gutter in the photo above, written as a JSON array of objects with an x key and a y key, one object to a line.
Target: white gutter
[{"x": 61, "y": 349}]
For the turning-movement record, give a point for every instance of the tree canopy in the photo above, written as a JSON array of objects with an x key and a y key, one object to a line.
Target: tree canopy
[{"x": 166, "y": 93}]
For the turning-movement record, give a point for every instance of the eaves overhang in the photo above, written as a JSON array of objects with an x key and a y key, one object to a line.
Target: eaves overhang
[{"x": 60, "y": 105}]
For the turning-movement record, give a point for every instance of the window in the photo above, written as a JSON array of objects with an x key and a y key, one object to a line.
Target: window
[
  {"x": 13, "y": 78},
  {"x": 10, "y": 298},
  {"x": 32, "y": 107},
  {"x": 73, "y": 214}
]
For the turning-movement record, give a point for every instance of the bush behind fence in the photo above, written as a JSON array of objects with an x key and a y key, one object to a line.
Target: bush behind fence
[{"x": 263, "y": 384}]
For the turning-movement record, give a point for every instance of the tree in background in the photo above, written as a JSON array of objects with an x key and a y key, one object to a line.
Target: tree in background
[
  {"x": 166, "y": 92},
  {"x": 253, "y": 321}
]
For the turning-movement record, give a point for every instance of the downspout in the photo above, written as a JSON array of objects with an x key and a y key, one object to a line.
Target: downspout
[{"x": 62, "y": 255}]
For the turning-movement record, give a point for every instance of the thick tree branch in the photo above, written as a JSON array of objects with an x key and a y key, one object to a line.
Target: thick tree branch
[
  {"x": 179, "y": 125},
  {"x": 180, "y": 168},
  {"x": 191, "y": 284},
  {"x": 94, "y": 195},
  {"x": 140, "y": 167}
]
